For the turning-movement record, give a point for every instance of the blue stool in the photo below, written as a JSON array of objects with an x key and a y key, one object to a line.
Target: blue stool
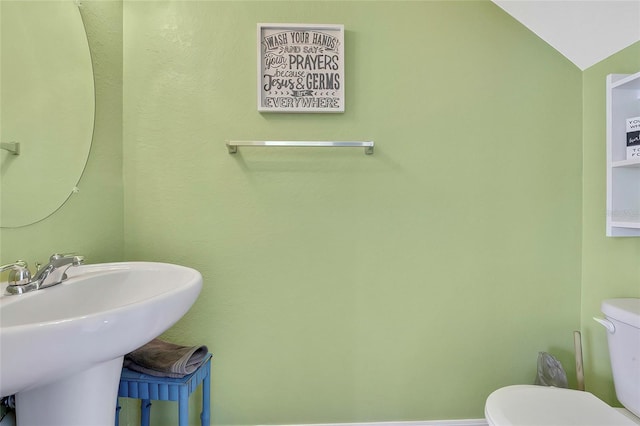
[{"x": 147, "y": 388}]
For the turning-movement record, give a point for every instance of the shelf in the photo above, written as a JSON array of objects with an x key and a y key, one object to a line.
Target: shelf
[
  {"x": 632, "y": 225},
  {"x": 622, "y": 81},
  {"x": 624, "y": 229},
  {"x": 626, "y": 163},
  {"x": 623, "y": 174}
]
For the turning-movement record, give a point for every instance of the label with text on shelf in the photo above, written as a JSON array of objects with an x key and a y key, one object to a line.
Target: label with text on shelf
[{"x": 633, "y": 138}]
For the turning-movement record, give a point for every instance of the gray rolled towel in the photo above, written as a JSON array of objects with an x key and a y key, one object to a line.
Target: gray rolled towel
[{"x": 164, "y": 359}]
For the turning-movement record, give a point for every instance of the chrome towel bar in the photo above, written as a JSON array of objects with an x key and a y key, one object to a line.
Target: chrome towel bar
[{"x": 232, "y": 146}]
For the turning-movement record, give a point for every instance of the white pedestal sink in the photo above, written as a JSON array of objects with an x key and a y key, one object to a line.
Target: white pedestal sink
[{"x": 61, "y": 348}]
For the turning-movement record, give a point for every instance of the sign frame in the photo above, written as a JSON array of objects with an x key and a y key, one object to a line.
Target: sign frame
[{"x": 301, "y": 68}]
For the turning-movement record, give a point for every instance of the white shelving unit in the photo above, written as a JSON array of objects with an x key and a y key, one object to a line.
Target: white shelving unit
[{"x": 623, "y": 174}]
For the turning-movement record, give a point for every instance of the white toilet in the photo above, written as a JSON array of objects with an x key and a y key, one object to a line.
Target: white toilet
[{"x": 524, "y": 405}]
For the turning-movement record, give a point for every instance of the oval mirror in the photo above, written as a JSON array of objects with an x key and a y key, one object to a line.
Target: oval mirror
[{"x": 47, "y": 107}]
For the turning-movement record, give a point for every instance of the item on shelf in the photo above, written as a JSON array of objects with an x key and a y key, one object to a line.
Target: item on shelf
[{"x": 633, "y": 138}]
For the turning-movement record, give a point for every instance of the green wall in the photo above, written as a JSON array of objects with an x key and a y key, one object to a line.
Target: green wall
[
  {"x": 610, "y": 266},
  {"x": 341, "y": 287}
]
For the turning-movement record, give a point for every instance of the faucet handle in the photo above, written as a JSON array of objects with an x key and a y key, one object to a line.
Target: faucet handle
[
  {"x": 19, "y": 273},
  {"x": 58, "y": 256},
  {"x": 57, "y": 259},
  {"x": 19, "y": 276},
  {"x": 16, "y": 264}
]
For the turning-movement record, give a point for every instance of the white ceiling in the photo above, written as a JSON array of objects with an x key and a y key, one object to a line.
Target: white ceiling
[{"x": 585, "y": 31}]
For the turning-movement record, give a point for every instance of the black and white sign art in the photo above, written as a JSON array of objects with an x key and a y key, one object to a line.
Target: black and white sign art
[{"x": 300, "y": 68}]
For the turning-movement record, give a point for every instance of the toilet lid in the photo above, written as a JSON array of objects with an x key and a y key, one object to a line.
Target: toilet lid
[{"x": 525, "y": 405}]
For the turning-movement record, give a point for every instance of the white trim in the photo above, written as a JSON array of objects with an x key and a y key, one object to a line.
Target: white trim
[{"x": 463, "y": 422}]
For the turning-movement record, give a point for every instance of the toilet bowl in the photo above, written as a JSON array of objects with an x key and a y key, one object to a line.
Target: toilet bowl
[{"x": 525, "y": 405}]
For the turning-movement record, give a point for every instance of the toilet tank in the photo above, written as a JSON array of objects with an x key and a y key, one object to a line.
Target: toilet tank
[{"x": 624, "y": 349}]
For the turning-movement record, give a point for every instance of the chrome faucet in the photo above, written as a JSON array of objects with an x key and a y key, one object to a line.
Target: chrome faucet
[{"x": 47, "y": 276}]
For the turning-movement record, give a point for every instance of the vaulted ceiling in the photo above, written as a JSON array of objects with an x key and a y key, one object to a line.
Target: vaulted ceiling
[{"x": 586, "y": 32}]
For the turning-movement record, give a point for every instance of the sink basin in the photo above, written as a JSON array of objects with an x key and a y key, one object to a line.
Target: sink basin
[{"x": 61, "y": 348}]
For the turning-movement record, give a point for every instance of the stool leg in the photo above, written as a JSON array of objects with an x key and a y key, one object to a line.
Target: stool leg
[
  {"x": 183, "y": 406},
  {"x": 145, "y": 412},
  {"x": 118, "y": 408},
  {"x": 206, "y": 396}
]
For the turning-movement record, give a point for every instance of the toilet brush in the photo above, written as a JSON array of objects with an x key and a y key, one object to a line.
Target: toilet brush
[{"x": 577, "y": 342}]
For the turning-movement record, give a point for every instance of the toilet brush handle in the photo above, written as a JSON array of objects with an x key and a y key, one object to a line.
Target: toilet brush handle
[{"x": 577, "y": 342}]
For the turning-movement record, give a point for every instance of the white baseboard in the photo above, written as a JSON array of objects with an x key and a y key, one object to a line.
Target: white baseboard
[{"x": 464, "y": 422}]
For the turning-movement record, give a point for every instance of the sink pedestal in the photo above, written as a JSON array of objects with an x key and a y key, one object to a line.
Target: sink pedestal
[{"x": 85, "y": 398}]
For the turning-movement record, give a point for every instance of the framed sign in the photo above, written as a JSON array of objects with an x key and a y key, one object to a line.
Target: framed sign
[{"x": 300, "y": 68}]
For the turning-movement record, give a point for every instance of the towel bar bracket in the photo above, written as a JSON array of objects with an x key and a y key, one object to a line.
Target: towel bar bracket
[{"x": 12, "y": 147}]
